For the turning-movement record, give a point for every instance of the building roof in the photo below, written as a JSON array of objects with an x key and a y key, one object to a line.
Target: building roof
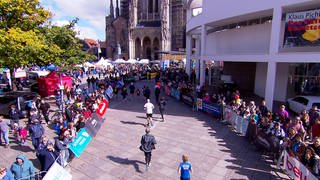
[{"x": 91, "y": 43}]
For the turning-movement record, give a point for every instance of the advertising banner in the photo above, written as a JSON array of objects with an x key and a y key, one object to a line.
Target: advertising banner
[
  {"x": 57, "y": 172},
  {"x": 102, "y": 107},
  {"x": 199, "y": 104},
  {"x": 93, "y": 125},
  {"x": 109, "y": 92},
  {"x": 175, "y": 93},
  {"x": 213, "y": 109},
  {"x": 295, "y": 169},
  {"x": 302, "y": 29},
  {"x": 80, "y": 142}
]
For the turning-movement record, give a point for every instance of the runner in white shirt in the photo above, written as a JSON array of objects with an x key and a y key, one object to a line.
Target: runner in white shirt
[{"x": 149, "y": 111}]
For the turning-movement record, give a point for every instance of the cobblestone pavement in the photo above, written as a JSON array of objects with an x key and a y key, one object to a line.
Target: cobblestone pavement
[{"x": 213, "y": 149}]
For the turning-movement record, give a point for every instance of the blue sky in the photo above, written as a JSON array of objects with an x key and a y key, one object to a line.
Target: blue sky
[{"x": 91, "y": 14}]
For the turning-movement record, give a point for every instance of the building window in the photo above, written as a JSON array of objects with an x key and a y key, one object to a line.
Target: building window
[
  {"x": 150, "y": 8},
  {"x": 156, "y": 7},
  {"x": 196, "y": 11}
]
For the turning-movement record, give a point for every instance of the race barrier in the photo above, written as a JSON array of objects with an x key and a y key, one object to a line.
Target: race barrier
[
  {"x": 78, "y": 145},
  {"x": 210, "y": 108},
  {"x": 57, "y": 172},
  {"x": 186, "y": 98},
  {"x": 175, "y": 93},
  {"x": 238, "y": 123},
  {"x": 295, "y": 169}
]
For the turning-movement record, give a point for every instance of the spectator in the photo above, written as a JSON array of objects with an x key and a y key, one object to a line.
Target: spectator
[
  {"x": 297, "y": 124},
  {"x": 283, "y": 114},
  {"x": 47, "y": 157},
  {"x": 60, "y": 126},
  {"x": 4, "y": 129},
  {"x": 304, "y": 116},
  {"x": 132, "y": 90},
  {"x": 5, "y": 174},
  {"x": 316, "y": 145},
  {"x": 14, "y": 115},
  {"x": 44, "y": 107},
  {"x": 43, "y": 144},
  {"x": 20, "y": 133},
  {"x": 206, "y": 98},
  {"x": 22, "y": 168},
  {"x": 263, "y": 108},
  {"x": 316, "y": 128},
  {"x": 185, "y": 168},
  {"x": 310, "y": 161},
  {"x": 297, "y": 147},
  {"x": 36, "y": 131},
  {"x": 314, "y": 114}
]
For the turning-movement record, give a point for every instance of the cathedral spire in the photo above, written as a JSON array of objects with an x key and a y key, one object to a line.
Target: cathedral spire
[
  {"x": 117, "y": 9},
  {"x": 111, "y": 9}
]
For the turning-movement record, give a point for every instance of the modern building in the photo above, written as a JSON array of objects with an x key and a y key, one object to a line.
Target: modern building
[{"x": 271, "y": 48}]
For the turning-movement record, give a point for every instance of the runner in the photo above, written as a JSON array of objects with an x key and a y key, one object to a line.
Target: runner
[
  {"x": 148, "y": 142},
  {"x": 149, "y": 111}
]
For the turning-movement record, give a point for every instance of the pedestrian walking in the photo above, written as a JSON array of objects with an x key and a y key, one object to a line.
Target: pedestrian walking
[
  {"x": 162, "y": 104},
  {"x": 36, "y": 131},
  {"x": 149, "y": 111},
  {"x": 185, "y": 168},
  {"x": 148, "y": 142},
  {"x": 4, "y": 129},
  {"x": 14, "y": 115},
  {"x": 44, "y": 107},
  {"x": 22, "y": 168}
]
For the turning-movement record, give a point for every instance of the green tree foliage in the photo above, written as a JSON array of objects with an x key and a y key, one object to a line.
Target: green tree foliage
[{"x": 27, "y": 38}]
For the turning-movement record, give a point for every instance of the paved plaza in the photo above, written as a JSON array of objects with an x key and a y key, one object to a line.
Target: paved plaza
[
  {"x": 215, "y": 152},
  {"x": 213, "y": 149}
]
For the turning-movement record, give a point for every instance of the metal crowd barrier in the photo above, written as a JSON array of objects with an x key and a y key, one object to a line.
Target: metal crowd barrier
[{"x": 238, "y": 123}]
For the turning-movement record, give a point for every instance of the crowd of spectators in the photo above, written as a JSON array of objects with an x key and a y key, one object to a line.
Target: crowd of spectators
[
  {"x": 73, "y": 111},
  {"x": 275, "y": 132}
]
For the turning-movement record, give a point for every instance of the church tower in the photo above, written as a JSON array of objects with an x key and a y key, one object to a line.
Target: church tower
[
  {"x": 111, "y": 9},
  {"x": 117, "y": 9}
]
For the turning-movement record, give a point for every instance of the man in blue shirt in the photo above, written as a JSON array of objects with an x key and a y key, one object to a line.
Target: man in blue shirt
[{"x": 185, "y": 168}]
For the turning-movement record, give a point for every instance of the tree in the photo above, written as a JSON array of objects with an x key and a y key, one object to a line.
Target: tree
[{"x": 26, "y": 36}]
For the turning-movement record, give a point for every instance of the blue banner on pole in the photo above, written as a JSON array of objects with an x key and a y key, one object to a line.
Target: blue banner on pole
[{"x": 80, "y": 142}]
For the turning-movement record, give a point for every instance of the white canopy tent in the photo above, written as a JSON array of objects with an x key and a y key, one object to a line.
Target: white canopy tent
[
  {"x": 144, "y": 61},
  {"x": 87, "y": 64},
  {"x": 132, "y": 61},
  {"x": 119, "y": 61}
]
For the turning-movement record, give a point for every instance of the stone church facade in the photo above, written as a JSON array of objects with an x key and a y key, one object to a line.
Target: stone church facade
[{"x": 153, "y": 26}]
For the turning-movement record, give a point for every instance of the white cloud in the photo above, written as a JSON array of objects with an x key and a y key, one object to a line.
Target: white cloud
[{"x": 91, "y": 14}]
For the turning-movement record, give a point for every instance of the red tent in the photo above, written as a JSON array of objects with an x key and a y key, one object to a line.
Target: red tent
[{"x": 51, "y": 82}]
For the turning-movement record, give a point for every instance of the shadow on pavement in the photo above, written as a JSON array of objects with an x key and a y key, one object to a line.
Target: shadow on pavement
[
  {"x": 22, "y": 148},
  {"x": 126, "y": 161},
  {"x": 243, "y": 159},
  {"x": 133, "y": 123}
]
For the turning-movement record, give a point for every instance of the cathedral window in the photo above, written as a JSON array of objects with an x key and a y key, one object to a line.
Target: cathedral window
[
  {"x": 150, "y": 8},
  {"x": 156, "y": 7}
]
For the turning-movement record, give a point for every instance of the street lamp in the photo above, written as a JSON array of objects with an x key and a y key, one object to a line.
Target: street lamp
[{"x": 61, "y": 88}]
